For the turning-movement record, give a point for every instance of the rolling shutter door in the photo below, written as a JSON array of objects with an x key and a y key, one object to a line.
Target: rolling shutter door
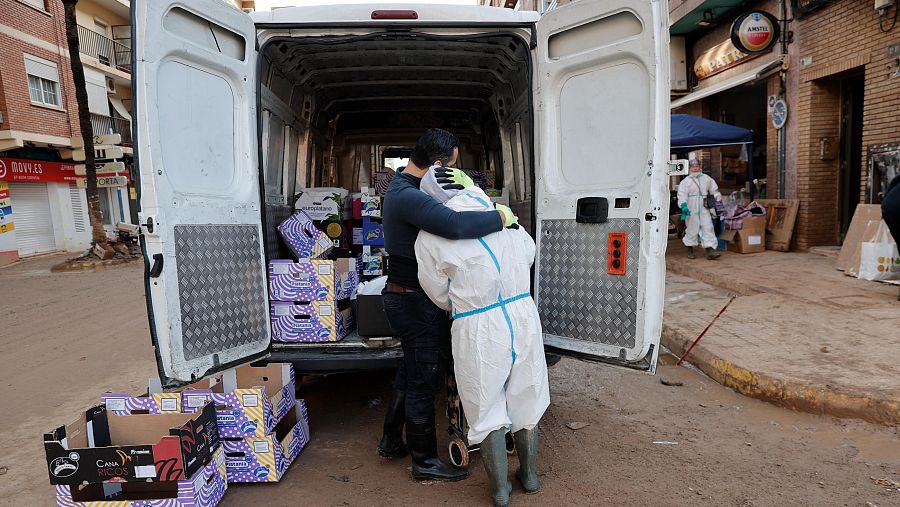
[{"x": 31, "y": 214}]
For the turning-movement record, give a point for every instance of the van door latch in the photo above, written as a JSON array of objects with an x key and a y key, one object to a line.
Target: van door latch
[
  {"x": 677, "y": 167},
  {"x": 592, "y": 210}
]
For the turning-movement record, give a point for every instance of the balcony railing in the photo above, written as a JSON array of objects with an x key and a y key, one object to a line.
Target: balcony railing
[
  {"x": 103, "y": 125},
  {"x": 107, "y": 51}
]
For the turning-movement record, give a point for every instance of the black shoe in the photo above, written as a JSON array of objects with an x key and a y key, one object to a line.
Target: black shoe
[
  {"x": 426, "y": 465},
  {"x": 691, "y": 253},
  {"x": 391, "y": 445},
  {"x": 712, "y": 254}
]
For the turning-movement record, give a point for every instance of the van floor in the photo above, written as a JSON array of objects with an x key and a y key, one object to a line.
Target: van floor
[{"x": 645, "y": 443}]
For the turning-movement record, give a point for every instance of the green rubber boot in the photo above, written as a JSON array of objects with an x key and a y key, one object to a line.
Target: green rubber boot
[
  {"x": 526, "y": 449},
  {"x": 493, "y": 454}
]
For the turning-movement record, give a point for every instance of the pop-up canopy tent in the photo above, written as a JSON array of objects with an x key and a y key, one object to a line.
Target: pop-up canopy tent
[{"x": 694, "y": 133}]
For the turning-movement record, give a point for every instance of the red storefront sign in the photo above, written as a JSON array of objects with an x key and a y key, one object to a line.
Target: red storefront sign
[{"x": 16, "y": 169}]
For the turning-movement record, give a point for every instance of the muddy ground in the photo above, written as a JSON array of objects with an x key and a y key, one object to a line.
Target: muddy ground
[{"x": 67, "y": 337}]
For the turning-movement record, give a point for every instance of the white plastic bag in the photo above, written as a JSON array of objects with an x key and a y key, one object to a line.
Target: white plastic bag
[{"x": 879, "y": 259}]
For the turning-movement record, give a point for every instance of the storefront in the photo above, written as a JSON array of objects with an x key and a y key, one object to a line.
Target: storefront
[
  {"x": 735, "y": 86},
  {"x": 43, "y": 208}
]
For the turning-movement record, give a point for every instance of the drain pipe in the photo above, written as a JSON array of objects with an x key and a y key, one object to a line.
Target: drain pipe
[{"x": 782, "y": 134}]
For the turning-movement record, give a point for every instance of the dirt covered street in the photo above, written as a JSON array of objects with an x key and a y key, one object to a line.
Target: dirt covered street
[{"x": 68, "y": 337}]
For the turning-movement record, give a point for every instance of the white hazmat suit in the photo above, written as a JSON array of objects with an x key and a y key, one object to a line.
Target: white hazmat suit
[
  {"x": 699, "y": 226},
  {"x": 498, "y": 348}
]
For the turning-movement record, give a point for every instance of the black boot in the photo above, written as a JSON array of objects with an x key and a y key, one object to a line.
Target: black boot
[
  {"x": 712, "y": 254},
  {"x": 426, "y": 465},
  {"x": 391, "y": 445},
  {"x": 496, "y": 463},
  {"x": 526, "y": 449},
  {"x": 691, "y": 253}
]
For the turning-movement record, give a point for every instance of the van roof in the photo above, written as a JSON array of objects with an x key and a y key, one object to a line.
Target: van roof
[{"x": 427, "y": 13}]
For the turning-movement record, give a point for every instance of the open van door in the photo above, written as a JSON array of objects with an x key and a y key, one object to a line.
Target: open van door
[
  {"x": 602, "y": 141},
  {"x": 195, "y": 113}
]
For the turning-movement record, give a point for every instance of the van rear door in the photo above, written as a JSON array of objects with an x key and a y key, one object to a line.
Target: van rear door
[
  {"x": 602, "y": 139},
  {"x": 195, "y": 116}
]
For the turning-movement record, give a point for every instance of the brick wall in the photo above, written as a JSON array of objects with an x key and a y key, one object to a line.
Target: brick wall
[
  {"x": 841, "y": 38},
  {"x": 19, "y": 113}
]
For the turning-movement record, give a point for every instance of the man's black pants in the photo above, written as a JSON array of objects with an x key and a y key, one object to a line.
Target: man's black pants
[
  {"x": 424, "y": 333},
  {"x": 890, "y": 208}
]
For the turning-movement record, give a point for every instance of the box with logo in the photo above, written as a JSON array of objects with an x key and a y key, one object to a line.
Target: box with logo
[
  {"x": 338, "y": 232},
  {"x": 370, "y": 205},
  {"x": 267, "y": 458},
  {"x": 373, "y": 233},
  {"x": 104, "y": 447},
  {"x": 372, "y": 261},
  {"x": 314, "y": 322},
  {"x": 312, "y": 279},
  {"x": 327, "y": 204},
  {"x": 303, "y": 238},
  {"x": 250, "y": 400},
  {"x": 205, "y": 489}
]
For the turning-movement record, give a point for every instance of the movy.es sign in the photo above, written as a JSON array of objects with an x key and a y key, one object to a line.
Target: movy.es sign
[{"x": 755, "y": 32}]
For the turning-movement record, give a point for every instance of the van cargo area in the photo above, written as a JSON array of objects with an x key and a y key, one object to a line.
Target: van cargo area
[{"x": 338, "y": 106}]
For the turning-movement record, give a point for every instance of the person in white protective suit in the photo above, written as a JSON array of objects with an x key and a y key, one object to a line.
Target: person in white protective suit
[
  {"x": 692, "y": 191},
  {"x": 497, "y": 342}
]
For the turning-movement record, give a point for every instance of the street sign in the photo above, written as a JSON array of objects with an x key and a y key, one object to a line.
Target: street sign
[
  {"x": 104, "y": 181},
  {"x": 101, "y": 152},
  {"x": 107, "y": 168},
  {"x": 78, "y": 142}
]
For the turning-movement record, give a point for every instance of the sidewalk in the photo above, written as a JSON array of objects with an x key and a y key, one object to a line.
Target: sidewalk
[{"x": 801, "y": 335}]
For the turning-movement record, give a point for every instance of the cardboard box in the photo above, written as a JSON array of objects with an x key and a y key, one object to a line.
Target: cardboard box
[
  {"x": 372, "y": 322},
  {"x": 371, "y": 205},
  {"x": 205, "y": 489},
  {"x": 865, "y": 217},
  {"x": 312, "y": 279},
  {"x": 383, "y": 180},
  {"x": 338, "y": 232},
  {"x": 267, "y": 458},
  {"x": 751, "y": 238},
  {"x": 316, "y": 322},
  {"x": 781, "y": 215},
  {"x": 357, "y": 238},
  {"x": 373, "y": 233},
  {"x": 372, "y": 261},
  {"x": 324, "y": 203},
  {"x": 250, "y": 400},
  {"x": 104, "y": 447},
  {"x": 303, "y": 238}
]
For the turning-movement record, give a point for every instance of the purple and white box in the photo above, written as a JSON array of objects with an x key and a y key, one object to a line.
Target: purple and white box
[
  {"x": 266, "y": 459},
  {"x": 303, "y": 238},
  {"x": 312, "y": 279},
  {"x": 205, "y": 489},
  {"x": 315, "y": 322}
]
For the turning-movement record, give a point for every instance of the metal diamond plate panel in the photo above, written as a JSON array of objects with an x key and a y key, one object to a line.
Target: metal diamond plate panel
[
  {"x": 578, "y": 299},
  {"x": 221, "y": 287}
]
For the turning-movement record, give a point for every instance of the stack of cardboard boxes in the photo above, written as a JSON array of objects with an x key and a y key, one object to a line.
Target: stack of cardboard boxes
[
  {"x": 371, "y": 234},
  {"x": 261, "y": 424}
]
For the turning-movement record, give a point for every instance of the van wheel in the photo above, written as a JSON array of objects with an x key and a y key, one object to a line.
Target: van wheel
[{"x": 459, "y": 452}]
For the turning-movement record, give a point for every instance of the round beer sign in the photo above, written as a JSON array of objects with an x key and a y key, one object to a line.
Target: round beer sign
[{"x": 755, "y": 32}]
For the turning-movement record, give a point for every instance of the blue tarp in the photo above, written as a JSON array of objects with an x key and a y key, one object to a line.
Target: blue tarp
[{"x": 691, "y": 132}]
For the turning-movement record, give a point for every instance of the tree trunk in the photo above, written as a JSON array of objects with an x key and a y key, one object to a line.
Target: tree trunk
[{"x": 98, "y": 234}]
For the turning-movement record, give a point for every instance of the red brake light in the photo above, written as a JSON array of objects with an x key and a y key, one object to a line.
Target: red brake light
[{"x": 395, "y": 14}]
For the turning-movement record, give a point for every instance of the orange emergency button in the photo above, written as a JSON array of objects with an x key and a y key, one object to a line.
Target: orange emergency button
[{"x": 617, "y": 249}]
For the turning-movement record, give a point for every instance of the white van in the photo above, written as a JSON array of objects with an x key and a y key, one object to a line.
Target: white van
[{"x": 568, "y": 112}]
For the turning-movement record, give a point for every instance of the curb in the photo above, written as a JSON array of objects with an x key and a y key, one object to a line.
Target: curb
[
  {"x": 97, "y": 265},
  {"x": 692, "y": 270},
  {"x": 815, "y": 399}
]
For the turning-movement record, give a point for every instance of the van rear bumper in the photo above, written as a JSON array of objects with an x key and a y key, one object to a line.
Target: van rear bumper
[{"x": 325, "y": 359}]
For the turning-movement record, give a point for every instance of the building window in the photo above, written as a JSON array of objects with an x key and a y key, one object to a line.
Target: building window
[
  {"x": 43, "y": 81},
  {"x": 37, "y": 4}
]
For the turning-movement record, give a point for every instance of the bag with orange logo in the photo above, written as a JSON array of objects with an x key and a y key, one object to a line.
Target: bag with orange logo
[{"x": 879, "y": 259}]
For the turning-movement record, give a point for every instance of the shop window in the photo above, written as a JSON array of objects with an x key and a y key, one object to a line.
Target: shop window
[{"x": 43, "y": 81}]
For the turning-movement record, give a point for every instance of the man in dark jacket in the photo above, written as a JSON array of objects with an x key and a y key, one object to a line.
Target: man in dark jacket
[
  {"x": 422, "y": 327},
  {"x": 890, "y": 209}
]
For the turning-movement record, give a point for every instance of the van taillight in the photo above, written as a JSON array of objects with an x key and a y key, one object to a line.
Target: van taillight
[{"x": 395, "y": 14}]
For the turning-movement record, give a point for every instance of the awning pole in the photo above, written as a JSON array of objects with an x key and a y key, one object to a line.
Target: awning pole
[{"x": 750, "y": 169}]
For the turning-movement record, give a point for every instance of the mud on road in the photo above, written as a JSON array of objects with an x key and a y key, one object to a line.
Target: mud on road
[{"x": 68, "y": 337}]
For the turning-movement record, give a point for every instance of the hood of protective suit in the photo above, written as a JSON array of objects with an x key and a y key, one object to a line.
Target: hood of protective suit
[{"x": 431, "y": 187}]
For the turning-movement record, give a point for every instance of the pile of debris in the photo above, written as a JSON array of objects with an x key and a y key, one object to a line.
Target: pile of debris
[{"x": 124, "y": 246}]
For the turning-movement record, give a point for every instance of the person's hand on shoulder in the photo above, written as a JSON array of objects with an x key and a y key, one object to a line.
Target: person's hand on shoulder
[
  {"x": 450, "y": 178},
  {"x": 506, "y": 214}
]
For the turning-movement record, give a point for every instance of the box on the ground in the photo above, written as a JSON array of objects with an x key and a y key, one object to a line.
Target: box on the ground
[
  {"x": 250, "y": 400},
  {"x": 303, "y": 238},
  {"x": 371, "y": 320},
  {"x": 312, "y": 279},
  {"x": 328, "y": 204},
  {"x": 866, "y": 216},
  {"x": 750, "y": 238},
  {"x": 267, "y": 458},
  {"x": 781, "y": 215},
  {"x": 313, "y": 322},
  {"x": 205, "y": 489},
  {"x": 373, "y": 233},
  {"x": 104, "y": 447}
]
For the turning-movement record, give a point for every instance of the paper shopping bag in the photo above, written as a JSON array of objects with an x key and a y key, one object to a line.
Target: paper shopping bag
[{"x": 878, "y": 259}]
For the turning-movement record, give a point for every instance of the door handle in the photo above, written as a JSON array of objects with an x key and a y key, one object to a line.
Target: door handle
[
  {"x": 157, "y": 267},
  {"x": 591, "y": 210}
]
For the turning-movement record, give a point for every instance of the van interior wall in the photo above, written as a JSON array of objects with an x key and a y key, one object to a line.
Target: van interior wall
[{"x": 332, "y": 104}]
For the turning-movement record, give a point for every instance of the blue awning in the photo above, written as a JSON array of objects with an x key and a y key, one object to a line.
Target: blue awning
[{"x": 691, "y": 132}]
